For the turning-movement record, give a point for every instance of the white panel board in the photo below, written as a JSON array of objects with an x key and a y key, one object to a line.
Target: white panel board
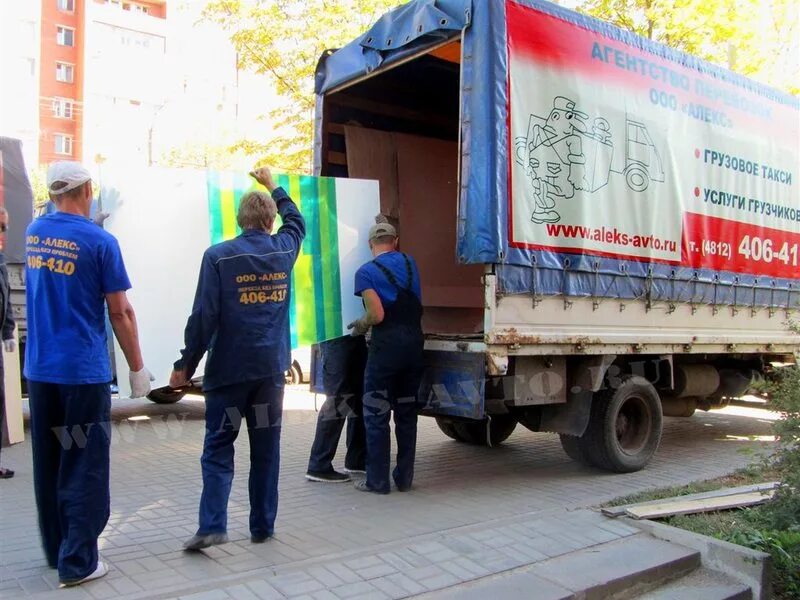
[
  {"x": 160, "y": 217},
  {"x": 357, "y": 204}
]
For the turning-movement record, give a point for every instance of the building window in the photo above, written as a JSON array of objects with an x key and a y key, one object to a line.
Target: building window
[
  {"x": 63, "y": 144},
  {"x": 140, "y": 9},
  {"x": 65, "y": 72},
  {"x": 66, "y": 5},
  {"x": 65, "y": 36},
  {"x": 63, "y": 108}
]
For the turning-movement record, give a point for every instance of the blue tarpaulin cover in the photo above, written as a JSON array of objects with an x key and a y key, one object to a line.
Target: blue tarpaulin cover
[{"x": 484, "y": 202}]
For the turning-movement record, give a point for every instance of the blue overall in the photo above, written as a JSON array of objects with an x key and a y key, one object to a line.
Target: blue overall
[
  {"x": 241, "y": 318},
  {"x": 393, "y": 374},
  {"x": 71, "y": 265},
  {"x": 343, "y": 363}
]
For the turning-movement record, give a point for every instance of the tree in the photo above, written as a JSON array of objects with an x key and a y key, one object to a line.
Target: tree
[
  {"x": 38, "y": 179},
  {"x": 284, "y": 39},
  {"x": 757, "y": 38}
]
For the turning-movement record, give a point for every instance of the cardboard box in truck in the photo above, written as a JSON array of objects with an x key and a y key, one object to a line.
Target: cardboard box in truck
[{"x": 607, "y": 229}]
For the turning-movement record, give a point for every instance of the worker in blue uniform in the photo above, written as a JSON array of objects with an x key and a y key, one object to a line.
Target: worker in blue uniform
[
  {"x": 73, "y": 268},
  {"x": 241, "y": 318},
  {"x": 343, "y": 362},
  {"x": 389, "y": 286}
]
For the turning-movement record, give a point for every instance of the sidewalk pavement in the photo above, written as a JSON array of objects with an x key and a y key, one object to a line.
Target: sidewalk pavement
[{"x": 473, "y": 512}]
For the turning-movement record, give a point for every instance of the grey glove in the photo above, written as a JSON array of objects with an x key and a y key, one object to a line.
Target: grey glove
[{"x": 359, "y": 327}]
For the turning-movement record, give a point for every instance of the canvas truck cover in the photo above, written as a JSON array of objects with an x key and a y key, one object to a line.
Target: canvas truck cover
[
  {"x": 598, "y": 163},
  {"x": 16, "y": 196}
]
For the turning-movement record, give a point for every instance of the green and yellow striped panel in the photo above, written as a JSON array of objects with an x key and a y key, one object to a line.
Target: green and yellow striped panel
[{"x": 316, "y": 303}]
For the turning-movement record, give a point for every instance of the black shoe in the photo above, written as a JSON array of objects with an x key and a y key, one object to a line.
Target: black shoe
[
  {"x": 362, "y": 486},
  {"x": 198, "y": 542},
  {"x": 356, "y": 470},
  {"x": 259, "y": 539},
  {"x": 327, "y": 477},
  {"x": 6, "y": 473}
]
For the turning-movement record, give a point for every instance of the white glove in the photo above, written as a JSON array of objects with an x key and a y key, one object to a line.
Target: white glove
[
  {"x": 10, "y": 345},
  {"x": 140, "y": 382}
]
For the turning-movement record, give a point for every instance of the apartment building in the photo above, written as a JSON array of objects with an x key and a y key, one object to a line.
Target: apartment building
[{"x": 96, "y": 55}]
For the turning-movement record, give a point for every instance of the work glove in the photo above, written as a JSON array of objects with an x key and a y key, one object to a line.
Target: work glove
[
  {"x": 10, "y": 345},
  {"x": 358, "y": 327},
  {"x": 140, "y": 382}
]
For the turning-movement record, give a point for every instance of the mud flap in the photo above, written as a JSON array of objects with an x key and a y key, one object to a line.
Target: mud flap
[{"x": 584, "y": 378}]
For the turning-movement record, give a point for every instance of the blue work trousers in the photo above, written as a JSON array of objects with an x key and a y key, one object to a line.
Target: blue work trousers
[
  {"x": 71, "y": 438},
  {"x": 259, "y": 403},
  {"x": 391, "y": 384},
  {"x": 343, "y": 363}
]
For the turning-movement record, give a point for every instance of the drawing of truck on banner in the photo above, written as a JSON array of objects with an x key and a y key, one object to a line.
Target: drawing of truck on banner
[{"x": 562, "y": 153}]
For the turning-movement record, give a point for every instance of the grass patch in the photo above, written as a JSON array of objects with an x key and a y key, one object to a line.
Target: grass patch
[
  {"x": 746, "y": 476},
  {"x": 758, "y": 527}
]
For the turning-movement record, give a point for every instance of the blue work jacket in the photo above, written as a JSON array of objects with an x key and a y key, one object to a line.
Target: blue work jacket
[{"x": 241, "y": 309}]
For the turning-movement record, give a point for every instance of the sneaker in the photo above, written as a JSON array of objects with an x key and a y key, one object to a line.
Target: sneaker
[
  {"x": 100, "y": 571},
  {"x": 259, "y": 539},
  {"x": 362, "y": 486},
  {"x": 328, "y": 477},
  {"x": 361, "y": 471},
  {"x": 198, "y": 542}
]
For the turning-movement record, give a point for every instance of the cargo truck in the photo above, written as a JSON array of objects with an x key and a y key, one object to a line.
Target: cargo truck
[{"x": 607, "y": 229}]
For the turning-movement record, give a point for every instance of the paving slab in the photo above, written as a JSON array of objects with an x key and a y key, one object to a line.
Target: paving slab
[
  {"x": 703, "y": 584},
  {"x": 603, "y": 570},
  {"x": 473, "y": 512}
]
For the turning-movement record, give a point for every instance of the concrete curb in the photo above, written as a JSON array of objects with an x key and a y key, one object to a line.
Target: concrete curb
[{"x": 750, "y": 567}]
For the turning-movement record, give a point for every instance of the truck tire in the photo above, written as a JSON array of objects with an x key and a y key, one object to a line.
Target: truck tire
[
  {"x": 448, "y": 428},
  {"x": 625, "y": 426},
  {"x": 574, "y": 449},
  {"x": 500, "y": 427},
  {"x": 166, "y": 395},
  {"x": 293, "y": 376}
]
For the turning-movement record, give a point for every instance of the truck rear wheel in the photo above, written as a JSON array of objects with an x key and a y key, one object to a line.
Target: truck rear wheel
[
  {"x": 500, "y": 428},
  {"x": 625, "y": 426},
  {"x": 448, "y": 428}
]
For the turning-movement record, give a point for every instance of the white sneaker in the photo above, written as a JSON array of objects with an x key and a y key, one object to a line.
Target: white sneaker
[{"x": 100, "y": 571}]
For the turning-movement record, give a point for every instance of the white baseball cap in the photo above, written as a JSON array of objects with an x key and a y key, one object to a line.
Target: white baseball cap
[{"x": 66, "y": 175}]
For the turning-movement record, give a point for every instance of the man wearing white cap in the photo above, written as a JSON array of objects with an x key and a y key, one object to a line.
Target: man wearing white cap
[{"x": 73, "y": 268}]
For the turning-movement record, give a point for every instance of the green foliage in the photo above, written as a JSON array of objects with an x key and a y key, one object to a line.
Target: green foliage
[
  {"x": 757, "y": 38},
  {"x": 755, "y": 528},
  {"x": 38, "y": 179},
  {"x": 284, "y": 40},
  {"x": 784, "y": 394}
]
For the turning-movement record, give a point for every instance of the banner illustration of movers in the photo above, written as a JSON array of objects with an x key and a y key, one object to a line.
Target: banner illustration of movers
[{"x": 618, "y": 152}]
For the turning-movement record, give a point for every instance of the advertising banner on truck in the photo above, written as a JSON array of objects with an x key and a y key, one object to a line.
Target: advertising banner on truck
[{"x": 617, "y": 151}]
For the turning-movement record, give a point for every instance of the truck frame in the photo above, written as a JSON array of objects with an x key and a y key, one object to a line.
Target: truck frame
[{"x": 592, "y": 346}]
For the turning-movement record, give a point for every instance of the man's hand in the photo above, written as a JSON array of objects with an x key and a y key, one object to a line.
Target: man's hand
[
  {"x": 100, "y": 217},
  {"x": 178, "y": 379},
  {"x": 10, "y": 345},
  {"x": 140, "y": 382},
  {"x": 358, "y": 327},
  {"x": 264, "y": 176}
]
